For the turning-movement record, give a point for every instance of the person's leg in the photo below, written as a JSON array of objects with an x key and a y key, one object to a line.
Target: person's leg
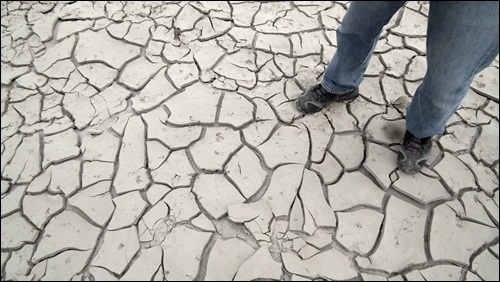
[
  {"x": 357, "y": 37},
  {"x": 462, "y": 39}
]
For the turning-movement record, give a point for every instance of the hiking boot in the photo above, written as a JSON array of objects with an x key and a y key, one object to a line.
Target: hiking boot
[
  {"x": 414, "y": 153},
  {"x": 316, "y": 98}
]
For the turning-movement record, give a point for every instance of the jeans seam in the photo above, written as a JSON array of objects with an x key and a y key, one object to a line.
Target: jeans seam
[
  {"x": 487, "y": 54},
  {"x": 372, "y": 48}
]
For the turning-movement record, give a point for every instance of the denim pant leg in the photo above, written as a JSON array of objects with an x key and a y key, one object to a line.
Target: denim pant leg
[
  {"x": 462, "y": 39},
  {"x": 356, "y": 40}
]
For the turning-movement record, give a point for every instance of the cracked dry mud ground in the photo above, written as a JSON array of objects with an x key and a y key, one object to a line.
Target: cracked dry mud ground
[{"x": 160, "y": 141}]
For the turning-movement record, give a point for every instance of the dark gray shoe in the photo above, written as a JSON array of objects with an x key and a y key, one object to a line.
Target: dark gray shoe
[
  {"x": 316, "y": 98},
  {"x": 414, "y": 153}
]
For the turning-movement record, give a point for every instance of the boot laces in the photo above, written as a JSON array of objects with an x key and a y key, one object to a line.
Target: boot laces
[
  {"x": 319, "y": 93},
  {"x": 415, "y": 144}
]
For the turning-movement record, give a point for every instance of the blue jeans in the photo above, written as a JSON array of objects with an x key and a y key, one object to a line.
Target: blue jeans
[{"x": 462, "y": 39}]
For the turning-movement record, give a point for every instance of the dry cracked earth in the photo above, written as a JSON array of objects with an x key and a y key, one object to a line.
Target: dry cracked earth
[{"x": 160, "y": 141}]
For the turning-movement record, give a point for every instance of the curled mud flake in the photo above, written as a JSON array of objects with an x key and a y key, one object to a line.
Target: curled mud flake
[{"x": 160, "y": 230}]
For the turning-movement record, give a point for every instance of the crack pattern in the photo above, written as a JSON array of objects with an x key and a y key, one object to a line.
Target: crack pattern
[{"x": 160, "y": 140}]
